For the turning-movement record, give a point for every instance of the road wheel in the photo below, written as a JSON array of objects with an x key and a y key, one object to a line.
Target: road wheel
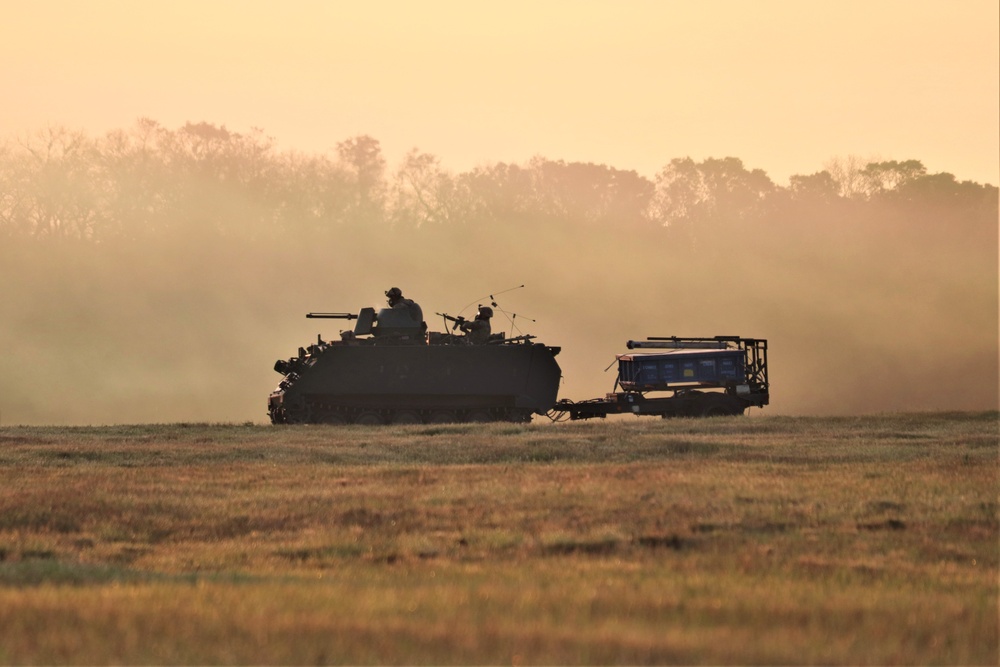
[
  {"x": 406, "y": 417},
  {"x": 479, "y": 416},
  {"x": 334, "y": 419},
  {"x": 298, "y": 415},
  {"x": 518, "y": 416},
  {"x": 369, "y": 418},
  {"x": 442, "y": 417}
]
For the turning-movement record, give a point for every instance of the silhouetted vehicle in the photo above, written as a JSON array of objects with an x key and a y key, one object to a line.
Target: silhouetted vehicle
[
  {"x": 389, "y": 369},
  {"x": 697, "y": 377}
]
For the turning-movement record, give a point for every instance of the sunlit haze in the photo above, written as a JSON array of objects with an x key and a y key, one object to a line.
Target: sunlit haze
[
  {"x": 783, "y": 85},
  {"x": 180, "y": 182}
]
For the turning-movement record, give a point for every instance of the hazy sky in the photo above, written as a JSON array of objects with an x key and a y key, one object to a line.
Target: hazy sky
[{"x": 784, "y": 85}]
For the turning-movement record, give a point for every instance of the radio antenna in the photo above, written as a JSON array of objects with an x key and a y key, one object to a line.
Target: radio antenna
[
  {"x": 491, "y": 297},
  {"x": 493, "y": 302}
]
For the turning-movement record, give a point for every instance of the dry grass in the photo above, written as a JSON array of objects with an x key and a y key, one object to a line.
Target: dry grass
[{"x": 870, "y": 540}]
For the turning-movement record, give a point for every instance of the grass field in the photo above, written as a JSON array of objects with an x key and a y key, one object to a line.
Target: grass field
[{"x": 865, "y": 540}]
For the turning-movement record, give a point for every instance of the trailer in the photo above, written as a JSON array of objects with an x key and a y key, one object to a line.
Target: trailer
[{"x": 674, "y": 376}]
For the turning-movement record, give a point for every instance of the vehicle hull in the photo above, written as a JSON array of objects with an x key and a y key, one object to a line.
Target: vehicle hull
[{"x": 346, "y": 383}]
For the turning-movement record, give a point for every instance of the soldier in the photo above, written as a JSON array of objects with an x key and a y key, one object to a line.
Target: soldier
[
  {"x": 395, "y": 299},
  {"x": 479, "y": 329}
]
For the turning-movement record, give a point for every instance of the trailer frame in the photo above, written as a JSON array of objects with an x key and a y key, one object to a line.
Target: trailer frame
[{"x": 686, "y": 399}]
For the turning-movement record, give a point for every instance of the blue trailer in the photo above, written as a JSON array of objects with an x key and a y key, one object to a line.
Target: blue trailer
[{"x": 682, "y": 377}]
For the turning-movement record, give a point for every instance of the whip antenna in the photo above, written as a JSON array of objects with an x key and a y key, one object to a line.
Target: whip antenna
[{"x": 491, "y": 297}]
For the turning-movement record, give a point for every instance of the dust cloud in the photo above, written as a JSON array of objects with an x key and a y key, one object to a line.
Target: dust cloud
[{"x": 866, "y": 309}]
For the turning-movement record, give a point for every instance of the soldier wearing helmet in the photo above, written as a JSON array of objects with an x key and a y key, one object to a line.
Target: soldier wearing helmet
[
  {"x": 395, "y": 298},
  {"x": 478, "y": 330},
  {"x": 393, "y": 295}
]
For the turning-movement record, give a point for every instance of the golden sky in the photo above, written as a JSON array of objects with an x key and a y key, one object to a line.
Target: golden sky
[{"x": 785, "y": 85}]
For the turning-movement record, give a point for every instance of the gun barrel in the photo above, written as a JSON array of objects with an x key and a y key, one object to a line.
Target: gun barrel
[
  {"x": 332, "y": 316},
  {"x": 700, "y": 344}
]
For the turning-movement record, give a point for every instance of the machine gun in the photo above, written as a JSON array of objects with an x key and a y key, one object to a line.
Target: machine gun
[
  {"x": 515, "y": 339},
  {"x": 366, "y": 319},
  {"x": 458, "y": 321}
]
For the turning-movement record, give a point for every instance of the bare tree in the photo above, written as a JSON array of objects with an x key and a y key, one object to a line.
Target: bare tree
[
  {"x": 361, "y": 157},
  {"x": 422, "y": 192}
]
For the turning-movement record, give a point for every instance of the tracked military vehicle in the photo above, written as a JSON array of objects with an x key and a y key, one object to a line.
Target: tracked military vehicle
[{"x": 389, "y": 369}]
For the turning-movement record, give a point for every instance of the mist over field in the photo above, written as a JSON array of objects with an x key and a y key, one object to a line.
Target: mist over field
[{"x": 155, "y": 274}]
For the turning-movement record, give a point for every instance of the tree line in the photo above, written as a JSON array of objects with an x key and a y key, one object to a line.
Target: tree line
[
  {"x": 156, "y": 274},
  {"x": 201, "y": 179}
]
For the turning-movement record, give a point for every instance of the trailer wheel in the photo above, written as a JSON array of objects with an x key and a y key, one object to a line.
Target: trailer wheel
[
  {"x": 721, "y": 405},
  {"x": 714, "y": 410}
]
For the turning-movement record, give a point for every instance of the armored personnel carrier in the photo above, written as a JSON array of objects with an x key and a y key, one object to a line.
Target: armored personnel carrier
[{"x": 390, "y": 370}]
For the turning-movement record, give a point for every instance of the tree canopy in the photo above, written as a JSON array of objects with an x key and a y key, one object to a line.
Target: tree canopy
[
  {"x": 153, "y": 273},
  {"x": 202, "y": 179}
]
